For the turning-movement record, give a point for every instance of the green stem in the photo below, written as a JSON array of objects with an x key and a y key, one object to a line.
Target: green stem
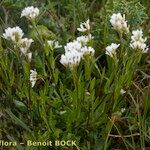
[
  {"x": 36, "y": 29},
  {"x": 105, "y": 23},
  {"x": 110, "y": 128},
  {"x": 87, "y": 66},
  {"x": 75, "y": 79},
  {"x": 141, "y": 131},
  {"x": 29, "y": 88}
]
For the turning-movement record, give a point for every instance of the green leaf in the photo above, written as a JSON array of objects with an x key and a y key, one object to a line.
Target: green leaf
[
  {"x": 17, "y": 121},
  {"x": 42, "y": 31},
  {"x": 20, "y": 105}
]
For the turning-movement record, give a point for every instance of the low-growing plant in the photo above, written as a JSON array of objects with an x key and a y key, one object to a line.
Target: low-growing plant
[{"x": 74, "y": 77}]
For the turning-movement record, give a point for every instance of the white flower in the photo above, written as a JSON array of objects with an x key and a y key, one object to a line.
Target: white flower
[
  {"x": 71, "y": 59},
  {"x": 111, "y": 49},
  {"x": 123, "y": 110},
  {"x": 73, "y": 46},
  {"x": 62, "y": 112},
  {"x": 14, "y": 34},
  {"x": 137, "y": 35},
  {"x": 122, "y": 91},
  {"x": 57, "y": 45},
  {"x": 84, "y": 26},
  {"x": 54, "y": 44},
  {"x": 77, "y": 49},
  {"x": 24, "y": 45},
  {"x": 119, "y": 23},
  {"x": 33, "y": 77},
  {"x": 84, "y": 39},
  {"x": 137, "y": 41},
  {"x": 139, "y": 45},
  {"x": 87, "y": 50},
  {"x": 30, "y": 12},
  {"x": 76, "y": 46}
]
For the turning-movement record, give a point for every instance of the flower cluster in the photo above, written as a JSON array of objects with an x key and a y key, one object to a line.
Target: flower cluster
[
  {"x": 72, "y": 56},
  {"x": 24, "y": 45},
  {"x": 84, "y": 39},
  {"x": 78, "y": 49},
  {"x": 87, "y": 50},
  {"x": 137, "y": 41},
  {"x": 14, "y": 34},
  {"x": 30, "y": 12},
  {"x": 71, "y": 59},
  {"x": 33, "y": 77},
  {"x": 111, "y": 50},
  {"x": 119, "y": 23}
]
